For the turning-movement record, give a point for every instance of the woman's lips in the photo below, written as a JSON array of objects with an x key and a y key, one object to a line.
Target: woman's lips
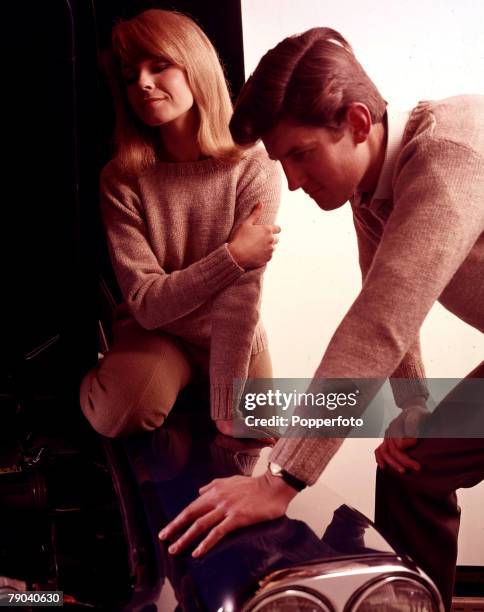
[{"x": 152, "y": 100}]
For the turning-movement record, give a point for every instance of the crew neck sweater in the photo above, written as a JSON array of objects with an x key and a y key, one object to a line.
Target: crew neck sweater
[
  {"x": 420, "y": 239},
  {"x": 167, "y": 232}
]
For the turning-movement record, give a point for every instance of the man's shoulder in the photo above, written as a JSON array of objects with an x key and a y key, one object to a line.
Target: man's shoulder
[{"x": 457, "y": 119}]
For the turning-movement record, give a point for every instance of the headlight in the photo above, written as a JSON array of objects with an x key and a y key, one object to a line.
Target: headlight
[
  {"x": 395, "y": 595},
  {"x": 291, "y": 600}
]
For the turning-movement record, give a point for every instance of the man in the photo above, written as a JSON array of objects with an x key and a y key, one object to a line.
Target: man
[{"x": 415, "y": 182}]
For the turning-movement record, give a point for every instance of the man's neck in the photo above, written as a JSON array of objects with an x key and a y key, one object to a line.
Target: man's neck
[{"x": 378, "y": 144}]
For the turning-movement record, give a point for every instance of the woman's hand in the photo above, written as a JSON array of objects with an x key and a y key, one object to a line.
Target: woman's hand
[
  {"x": 226, "y": 504},
  {"x": 401, "y": 435},
  {"x": 252, "y": 245}
]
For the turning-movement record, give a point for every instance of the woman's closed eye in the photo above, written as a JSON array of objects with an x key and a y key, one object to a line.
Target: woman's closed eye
[
  {"x": 159, "y": 67},
  {"x": 130, "y": 74}
]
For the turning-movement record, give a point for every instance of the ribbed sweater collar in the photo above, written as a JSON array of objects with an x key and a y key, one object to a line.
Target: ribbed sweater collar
[{"x": 200, "y": 167}]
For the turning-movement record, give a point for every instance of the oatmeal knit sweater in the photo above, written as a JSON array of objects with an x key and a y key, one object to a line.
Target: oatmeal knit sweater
[
  {"x": 420, "y": 239},
  {"x": 167, "y": 233}
]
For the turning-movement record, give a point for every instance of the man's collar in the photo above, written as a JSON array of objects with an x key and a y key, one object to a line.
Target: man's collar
[{"x": 396, "y": 123}]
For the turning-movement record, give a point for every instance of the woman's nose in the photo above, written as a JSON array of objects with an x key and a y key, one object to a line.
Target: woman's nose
[{"x": 145, "y": 80}]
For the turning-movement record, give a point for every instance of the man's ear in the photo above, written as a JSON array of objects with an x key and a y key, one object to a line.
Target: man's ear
[{"x": 358, "y": 119}]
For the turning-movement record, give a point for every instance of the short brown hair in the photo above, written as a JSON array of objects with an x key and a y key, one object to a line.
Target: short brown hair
[
  {"x": 310, "y": 78},
  {"x": 158, "y": 33}
]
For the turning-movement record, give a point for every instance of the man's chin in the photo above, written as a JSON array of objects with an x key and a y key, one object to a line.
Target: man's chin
[{"x": 328, "y": 205}]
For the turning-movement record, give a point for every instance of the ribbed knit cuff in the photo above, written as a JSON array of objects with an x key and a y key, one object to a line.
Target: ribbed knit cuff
[
  {"x": 305, "y": 458},
  {"x": 260, "y": 342},
  {"x": 408, "y": 381},
  {"x": 219, "y": 269},
  {"x": 236, "y": 460},
  {"x": 221, "y": 401}
]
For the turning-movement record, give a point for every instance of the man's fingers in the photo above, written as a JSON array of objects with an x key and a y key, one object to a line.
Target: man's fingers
[
  {"x": 190, "y": 513},
  {"x": 379, "y": 460},
  {"x": 208, "y": 486},
  {"x": 201, "y": 525},
  {"x": 398, "y": 457},
  {"x": 215, "y": 535},
  {"x": 389, "y": 460},
  {"x": 405, "y": 442}
]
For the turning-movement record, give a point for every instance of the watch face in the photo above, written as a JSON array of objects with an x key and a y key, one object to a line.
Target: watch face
[{"x": 275, "y": 469}]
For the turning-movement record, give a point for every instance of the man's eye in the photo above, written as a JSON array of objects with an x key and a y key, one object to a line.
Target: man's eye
[{"x": 300, "y": 155}]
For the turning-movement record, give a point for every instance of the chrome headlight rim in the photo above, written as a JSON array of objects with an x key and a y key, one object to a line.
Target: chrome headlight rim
[
  {"x": 289, "y": 590},
  {"x": 372, "y": 585}
]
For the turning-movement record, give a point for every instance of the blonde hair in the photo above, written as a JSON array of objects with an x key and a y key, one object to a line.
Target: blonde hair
[{"x": 175, "y": 37}]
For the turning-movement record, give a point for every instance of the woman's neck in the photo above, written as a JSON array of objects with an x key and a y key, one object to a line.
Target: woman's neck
[{"x": 179, "y": 138}]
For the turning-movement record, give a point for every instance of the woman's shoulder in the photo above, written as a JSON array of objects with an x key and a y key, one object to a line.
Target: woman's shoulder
[
  {"x": 255, "y": 160},
  {"x": 257, "y": 155},
  {"x": 114, "y": 175}
]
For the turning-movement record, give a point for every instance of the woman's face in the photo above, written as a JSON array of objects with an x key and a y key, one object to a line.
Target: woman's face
[{"x": 158, "y": 92}]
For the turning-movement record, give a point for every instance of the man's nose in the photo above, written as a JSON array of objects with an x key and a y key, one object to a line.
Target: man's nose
[{"x": 295, "y": 177}]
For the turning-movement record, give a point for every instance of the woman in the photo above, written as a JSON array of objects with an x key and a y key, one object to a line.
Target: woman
[{"x": 189, "y": 221}]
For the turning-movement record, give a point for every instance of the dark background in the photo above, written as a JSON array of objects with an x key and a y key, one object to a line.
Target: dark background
[{"x": 56, "y": 136}]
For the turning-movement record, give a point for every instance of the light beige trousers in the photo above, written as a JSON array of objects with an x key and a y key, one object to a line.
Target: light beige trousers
[{"x": 135, "y": 385}]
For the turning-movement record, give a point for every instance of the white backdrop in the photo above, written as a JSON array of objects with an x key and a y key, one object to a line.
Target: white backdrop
[{"x": 420, "y": 49}]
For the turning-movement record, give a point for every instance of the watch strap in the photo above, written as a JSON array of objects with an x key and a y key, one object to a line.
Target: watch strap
[{"x": 292, "y": 481}]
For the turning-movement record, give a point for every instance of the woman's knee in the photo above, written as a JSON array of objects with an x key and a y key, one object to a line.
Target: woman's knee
[
  {"x": 136, "y": 384},
  {"x": 114, "y": 410}
]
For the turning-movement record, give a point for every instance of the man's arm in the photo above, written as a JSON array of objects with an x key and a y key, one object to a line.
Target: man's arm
[{"x": 436, "y": 220}]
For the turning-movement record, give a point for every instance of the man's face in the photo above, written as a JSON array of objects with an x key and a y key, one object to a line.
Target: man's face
[{"x": 327, "y": 164}]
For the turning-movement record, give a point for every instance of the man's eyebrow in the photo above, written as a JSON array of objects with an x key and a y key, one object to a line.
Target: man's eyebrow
[{"x": 289, "y": 152}]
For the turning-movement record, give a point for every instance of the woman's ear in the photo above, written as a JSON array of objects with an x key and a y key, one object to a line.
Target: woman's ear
[{"x": 358, "y": 118}]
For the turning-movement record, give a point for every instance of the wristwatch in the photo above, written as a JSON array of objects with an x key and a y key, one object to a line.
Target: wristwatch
[{"x": 292, "y": 481}]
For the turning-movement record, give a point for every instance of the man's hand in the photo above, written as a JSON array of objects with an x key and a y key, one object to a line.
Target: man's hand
[
  {"x": 252, "y": 244},
  {"x": 401, "y": 435},
  {"x": 226, "y": 504}
]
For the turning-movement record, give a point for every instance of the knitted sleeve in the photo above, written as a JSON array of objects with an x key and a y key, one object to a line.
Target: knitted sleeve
[
  {"x": 155, "y": 297},
  {"x": 235, "y": 309},
  {"x": 408, "y": 380},
  {"x": 436, "y": 220}
]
